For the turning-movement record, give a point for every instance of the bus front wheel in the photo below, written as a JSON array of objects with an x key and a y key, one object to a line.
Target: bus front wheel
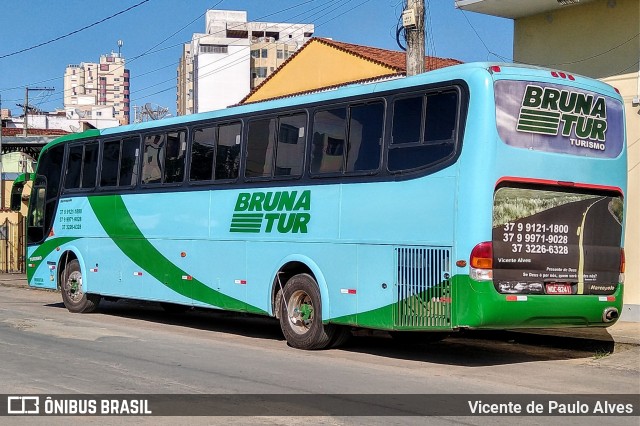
[
  {"x": 301, "y": 314},
  {"x": 73, "y": 295}
]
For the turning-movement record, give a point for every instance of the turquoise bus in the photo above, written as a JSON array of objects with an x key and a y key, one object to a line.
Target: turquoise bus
[{"x": 476, "y": 196}]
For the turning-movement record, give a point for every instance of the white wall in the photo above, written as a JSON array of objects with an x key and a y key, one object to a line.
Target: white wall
[{"x": 222, "y": 79}]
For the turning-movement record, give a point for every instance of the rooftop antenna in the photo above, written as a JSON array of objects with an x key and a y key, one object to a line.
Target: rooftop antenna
[{"x": 120, "y": 44}]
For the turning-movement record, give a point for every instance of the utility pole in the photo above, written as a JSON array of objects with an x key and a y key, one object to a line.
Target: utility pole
[
  {"x": 413, "y": 23},
  {"x": 1, "y": 187},
  {"x": 26, "y": 103}
]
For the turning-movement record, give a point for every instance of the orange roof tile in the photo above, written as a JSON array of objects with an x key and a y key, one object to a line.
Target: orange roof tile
[
  {"x": 390, "y": 58},
  {"x": 393, "y": 59},
  {"x": 13, "y": 131}
]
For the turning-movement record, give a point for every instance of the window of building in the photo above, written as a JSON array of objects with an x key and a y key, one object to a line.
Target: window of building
[
  {"x": 104, "y": 67},
  {"x": 424, "y": 130},
  {"x": 261, "y": 72},
  {"x": 110, "y": 59},
  {"x": 265, "y": 53},
  {"x": 279, "y": 54},
  {"x": 214, "y": 48},
  {"x": 255, "y": 53}
]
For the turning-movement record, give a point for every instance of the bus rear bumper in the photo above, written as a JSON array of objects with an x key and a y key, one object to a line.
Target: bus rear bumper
[{"x": 480, "y": 306}]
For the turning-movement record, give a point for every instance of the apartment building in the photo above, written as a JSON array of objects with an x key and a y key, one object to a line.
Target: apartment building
[
  {"x": 220, "y": 67},
  {"x": 89, "y": 85}
]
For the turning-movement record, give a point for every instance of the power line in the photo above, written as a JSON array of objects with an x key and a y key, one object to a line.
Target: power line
[
  {"x": 151, "y": 51},
  {"x": 74, "y": 32},
  {"x": 480, "y": 38}
]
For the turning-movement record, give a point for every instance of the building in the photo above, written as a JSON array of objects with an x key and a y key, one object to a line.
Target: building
[
  {"x": 326, "y": 64},
  {"x": 220, "y": 67},
  {"x": 184, "y": 83},
  {"x": 103, "y": 84},
  {"x": 599, "y": 39}
]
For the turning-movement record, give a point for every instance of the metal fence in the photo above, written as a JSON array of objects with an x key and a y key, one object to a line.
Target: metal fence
[{"x": 12, "y": 245}]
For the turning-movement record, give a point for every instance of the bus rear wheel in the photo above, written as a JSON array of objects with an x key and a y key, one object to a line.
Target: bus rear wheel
[
  {"x": 301, "y": 315},
  {"x": 73, "y": 295}
]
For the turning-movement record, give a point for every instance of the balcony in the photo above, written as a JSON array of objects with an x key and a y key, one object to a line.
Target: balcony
[{"x": 515, "y": 9}]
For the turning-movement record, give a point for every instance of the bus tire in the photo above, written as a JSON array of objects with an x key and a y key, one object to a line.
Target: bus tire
[
  {"x": 301, "y": 315},
  {"x": 341, "y": 336},
  {"x": 73, "y": 295}
]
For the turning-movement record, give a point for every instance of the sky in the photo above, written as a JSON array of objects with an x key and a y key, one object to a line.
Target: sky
[{"x": 39, "y": 38}]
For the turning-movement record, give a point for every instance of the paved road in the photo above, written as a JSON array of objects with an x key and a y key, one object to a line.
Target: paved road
[{"x": 133, "y": 348}]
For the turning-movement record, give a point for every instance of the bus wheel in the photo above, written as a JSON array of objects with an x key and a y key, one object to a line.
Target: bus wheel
[
  {"x": 301, "y": 315},
  {"x": 73, "y": 295}
]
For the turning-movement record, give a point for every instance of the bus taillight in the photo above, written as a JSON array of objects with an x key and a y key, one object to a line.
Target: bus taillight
[
  {"x": 622, "y": 265},
  {"x": 481, "y": 262}
]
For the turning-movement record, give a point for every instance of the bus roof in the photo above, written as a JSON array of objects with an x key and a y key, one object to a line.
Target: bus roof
[{"x": 454, "y": 72}]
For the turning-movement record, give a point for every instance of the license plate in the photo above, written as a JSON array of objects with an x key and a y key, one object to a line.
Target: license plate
[{"x": 558, "y": 288}]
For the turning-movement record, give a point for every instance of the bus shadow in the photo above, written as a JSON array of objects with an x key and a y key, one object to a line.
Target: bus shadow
[
  {"x": 466, "y": 348},
  {"x": 480, "y": 349}
]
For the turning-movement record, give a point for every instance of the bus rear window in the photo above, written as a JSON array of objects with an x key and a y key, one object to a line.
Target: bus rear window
[{"x": 555, "y": 118}]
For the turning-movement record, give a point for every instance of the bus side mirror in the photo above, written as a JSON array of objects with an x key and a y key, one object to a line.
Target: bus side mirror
[
  {"x": 16, "y": 196},
  {"x": 15, "y": 204}
]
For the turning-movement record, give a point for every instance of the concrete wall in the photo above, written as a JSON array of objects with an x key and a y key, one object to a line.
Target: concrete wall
[
  {"x": 221, "y": 79},
  {"x": 599, "y": 39}
]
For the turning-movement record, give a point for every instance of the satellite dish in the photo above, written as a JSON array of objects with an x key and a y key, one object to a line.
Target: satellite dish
[{"x": 80, "y": 113}]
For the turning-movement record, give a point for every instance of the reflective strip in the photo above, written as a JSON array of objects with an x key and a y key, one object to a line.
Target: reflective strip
[
  {"x": 607, "y": 298},
  {"x": 93, "y": 270},
  {"x": 137, "y": 274},
  {"x": 187, "y": 277},
  {"x": 514, "y": 298},
  {"x": 241, "y": 282},
  {"x": 348, "y": 290}
]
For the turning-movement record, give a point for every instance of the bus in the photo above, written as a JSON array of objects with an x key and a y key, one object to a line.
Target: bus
[{"x": 477, "y": 196}]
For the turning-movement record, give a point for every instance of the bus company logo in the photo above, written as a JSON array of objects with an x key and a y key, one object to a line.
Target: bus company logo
[
  {"x": 23, "y": 405},
  {"x": 279, "y": 211},
  {"x": 550, "y": 111}
]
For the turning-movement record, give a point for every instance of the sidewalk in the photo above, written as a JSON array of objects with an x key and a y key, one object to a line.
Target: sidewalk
[{"x": 621, "y": 333}]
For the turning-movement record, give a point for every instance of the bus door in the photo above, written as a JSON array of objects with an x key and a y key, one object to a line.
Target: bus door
[{"x": 36, "y": 218}]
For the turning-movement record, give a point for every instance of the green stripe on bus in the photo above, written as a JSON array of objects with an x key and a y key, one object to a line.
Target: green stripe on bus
[
  {"x": 137, "y": 248},
  {"x": 43, "y": 251},
  {"x": 540, "y": 113}
]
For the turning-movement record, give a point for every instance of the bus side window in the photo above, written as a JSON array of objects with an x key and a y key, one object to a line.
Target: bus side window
[
  {"x": 290, "y": 149},
  {"x": 110, "y": 161},
  {"x": 153, "y": 160},
  {"x": 227, "y": 162},
  {"x": 365, "y": 137},
  {"x": 260, "y": 148},
  {"x": 82, "y": 162},
  {"x": 90, "y": 165},
  {"x": 174, "y": 159},
  {"x": 128, "y": 175},
  {"x": 202, "y": 154},
  {"x": 329, "y": 134},
  {"x": 74, "y": 167},
  {"x": 435, "y": 130}
]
